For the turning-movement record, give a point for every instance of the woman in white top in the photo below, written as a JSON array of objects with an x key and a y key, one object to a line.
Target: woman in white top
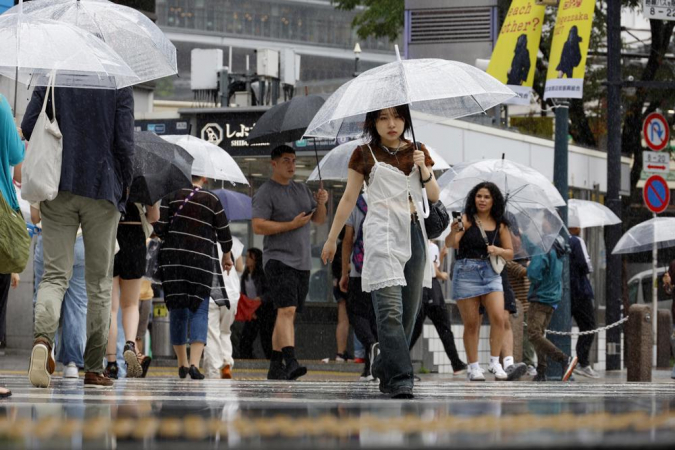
[{"x": 395, "y": 266}]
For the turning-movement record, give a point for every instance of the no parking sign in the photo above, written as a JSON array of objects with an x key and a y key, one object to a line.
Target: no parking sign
[{"x": 656, "y": 194}]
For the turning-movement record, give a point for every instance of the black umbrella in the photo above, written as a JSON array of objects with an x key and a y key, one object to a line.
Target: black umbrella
[
  {"x": 159, "y": 168},
  {"x": 287, "y": 122}
]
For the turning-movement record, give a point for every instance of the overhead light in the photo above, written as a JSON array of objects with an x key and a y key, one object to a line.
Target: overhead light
[
  {"x": 256, "y": 174},
  {"x": 250, "y": 159},
  {"x": 338, "y": 185},
  {"x": 300, "y": 165}
]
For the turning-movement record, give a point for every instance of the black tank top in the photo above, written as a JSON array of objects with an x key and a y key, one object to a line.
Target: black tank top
[{"x": 473, "y": 246}]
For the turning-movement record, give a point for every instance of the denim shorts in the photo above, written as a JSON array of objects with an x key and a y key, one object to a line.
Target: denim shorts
[
  {"x": 474, "y": 278},
  {"x": 182, "y": 322}
]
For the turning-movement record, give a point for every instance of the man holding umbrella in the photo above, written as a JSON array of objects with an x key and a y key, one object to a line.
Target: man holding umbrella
[{"x": 282, "y": 210}]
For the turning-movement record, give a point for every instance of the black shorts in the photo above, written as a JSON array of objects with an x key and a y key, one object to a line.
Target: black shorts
[
  {"x": 433, "y": 296},
  {"x": 287, "y": 286},
  {"x": 130, "y": 261}
]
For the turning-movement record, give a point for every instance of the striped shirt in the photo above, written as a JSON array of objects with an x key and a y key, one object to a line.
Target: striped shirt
[
  {"x": 520, "y": 284},
  {"x": 188, "y": 258}
]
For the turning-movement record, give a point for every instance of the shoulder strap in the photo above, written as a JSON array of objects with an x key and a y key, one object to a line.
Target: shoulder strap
[
  {"x": 187, "y": 199},
  {"x": 371, "y": 152},
  {"x": 482, "y": 231}
]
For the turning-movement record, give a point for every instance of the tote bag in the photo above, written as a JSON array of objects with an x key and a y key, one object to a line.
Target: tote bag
[
  {"x": 14, "y": 239},
  {"x": 41, "y": 170}
]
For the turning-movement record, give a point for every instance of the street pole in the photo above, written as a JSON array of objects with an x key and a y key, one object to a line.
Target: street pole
[
  {"x": 562, "y": 318},
  {"x": 614, "y": 283},
  {"x": 655, "y": 292}
]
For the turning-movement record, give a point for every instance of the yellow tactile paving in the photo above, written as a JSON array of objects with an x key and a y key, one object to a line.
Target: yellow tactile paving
[{"x": 195, "y": 427}]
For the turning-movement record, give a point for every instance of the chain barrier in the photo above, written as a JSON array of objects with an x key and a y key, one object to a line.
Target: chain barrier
[{"x": 583, "y": 333}]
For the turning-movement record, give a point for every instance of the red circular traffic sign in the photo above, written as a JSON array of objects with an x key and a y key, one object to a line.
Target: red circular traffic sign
[
  {"x": 656, "y": 131},
  {"x": 656, "y": 194}
]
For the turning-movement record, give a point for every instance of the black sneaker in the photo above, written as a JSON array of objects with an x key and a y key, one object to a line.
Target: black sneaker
[
  {"x": 195, "y": 374},
  {"x": 540, "y": 376},
  {"x": 366, "y": 375},
  {"x": 277, "y": 372},
  {"x": 568, "y": 367},
  {"x": 515, "y": 371},
  {"x": 111, "y": 371},
  {"x": 460, "y": 368},
  {"x": 294, "y": 370},
  {"x": 402, "y": 393},
  {"x": 183, "y": 371},
  {"x": 145, "y": 364}
]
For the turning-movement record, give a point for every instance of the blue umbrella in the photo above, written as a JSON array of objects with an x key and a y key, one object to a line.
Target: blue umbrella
[{"x": 237, "y": 206}]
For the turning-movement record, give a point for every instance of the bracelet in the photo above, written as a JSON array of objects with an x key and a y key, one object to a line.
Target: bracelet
[{"x": 431, "y": 175}]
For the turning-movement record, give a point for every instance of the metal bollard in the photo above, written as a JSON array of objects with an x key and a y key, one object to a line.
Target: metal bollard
[
  {"x": 639, "y": 343},
  {"x": 664, "y": 328}
]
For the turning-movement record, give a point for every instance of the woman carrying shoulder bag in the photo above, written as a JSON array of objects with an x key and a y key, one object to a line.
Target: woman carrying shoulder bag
[{"x": 482, "y": 234}]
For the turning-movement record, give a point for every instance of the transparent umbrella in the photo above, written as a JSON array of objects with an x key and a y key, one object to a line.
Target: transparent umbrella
[
  {"x": 643, "y": 237},
  {"x": 134, "y": 37},
  {"x": 509, "y": 176},
  {"x": 530, "y": 210},
  {"x": 31, "y": 48},
  {"x": 335, "y": 164},
  {"x": 586, "y": 214},
  {"x": 210, "y": 160},
  {"x": 447, "y": 89}
]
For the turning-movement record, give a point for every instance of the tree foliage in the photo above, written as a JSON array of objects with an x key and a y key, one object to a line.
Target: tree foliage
[{"x": 377, "y": 18}]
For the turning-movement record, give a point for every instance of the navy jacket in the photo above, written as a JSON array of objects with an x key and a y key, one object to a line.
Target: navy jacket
[
  {"x": 98, "y": 140},
  {"x": 580, "y": 287}
]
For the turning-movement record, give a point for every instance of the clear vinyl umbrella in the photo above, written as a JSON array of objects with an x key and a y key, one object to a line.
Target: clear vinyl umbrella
[
  {"x": 586, "y": 214},
  {"x": 210, "y": 161},
  {"x": 659, "y": 231},
  {"x": 31, "y": 48},
  {"x": 446, "y": 89},
  {"x": 530, "y": 209},
  {"x": 134, "y": 37},
  {"x": 335, "y": 164}
]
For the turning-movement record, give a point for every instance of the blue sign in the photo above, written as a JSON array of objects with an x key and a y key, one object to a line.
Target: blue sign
[{"x": 656, "y": 194}]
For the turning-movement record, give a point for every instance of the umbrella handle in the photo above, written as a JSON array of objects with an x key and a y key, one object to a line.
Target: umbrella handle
[{"x": 424, "y": 204}]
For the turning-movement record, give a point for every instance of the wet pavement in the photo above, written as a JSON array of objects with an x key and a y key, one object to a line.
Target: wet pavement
[{"x": 336, "y": 411}]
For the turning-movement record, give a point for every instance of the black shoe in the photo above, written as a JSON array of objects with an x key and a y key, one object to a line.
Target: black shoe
[
  {"x": 459, "y": 368},
  {"x": 145, "y": 364},
  {"x": 515, "y": 371},
  {"x": 277, "y": 372},
  {"x": 568, "y": 367},
  {"x": 111, "y": 371},
  {"x": 195, "y": 374},
  {"x": 402, "y": 393},
  {"x": 540, "y": 376},
  {"x": 183, "y": 371},
  {"x": 294, "y": 370}
]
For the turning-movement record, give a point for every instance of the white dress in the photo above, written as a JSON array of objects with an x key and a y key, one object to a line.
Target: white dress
[{"x": 386, "y": 230}]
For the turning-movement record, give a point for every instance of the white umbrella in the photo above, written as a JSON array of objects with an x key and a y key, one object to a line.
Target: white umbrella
[
  {"x": 210, "y": 161},
  {"x": 642, "y": 237},
  {"x": 586, "y": 214},
  {"x": 509, "y": 176},
  {"x": 335, "y": 164},
  {"x": 31, "y": 48},
  {"x": 138, "y": 41},
  {"x": 447, "y": 89}
]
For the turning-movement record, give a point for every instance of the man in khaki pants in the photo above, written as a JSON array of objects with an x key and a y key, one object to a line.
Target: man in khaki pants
[{"x": 96, "y": 173}]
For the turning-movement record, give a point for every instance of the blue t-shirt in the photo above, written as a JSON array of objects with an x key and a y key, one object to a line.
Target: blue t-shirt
[{"x": 12, "y": 151}]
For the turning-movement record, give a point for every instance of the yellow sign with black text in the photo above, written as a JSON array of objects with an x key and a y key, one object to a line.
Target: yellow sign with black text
[
  {"x": 514, "y": 58},
  {"x": 569, "y": 49}
]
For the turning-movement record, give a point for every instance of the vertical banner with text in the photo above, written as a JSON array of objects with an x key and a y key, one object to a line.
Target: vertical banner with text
[
  {"x": 514, "y": 58},
  {"x": 567, "y": 61}
]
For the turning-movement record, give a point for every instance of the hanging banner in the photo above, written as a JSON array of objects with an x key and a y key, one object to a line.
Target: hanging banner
[
  {"x": 567, "y": 61},
  {"x": 514, "y": 57}
]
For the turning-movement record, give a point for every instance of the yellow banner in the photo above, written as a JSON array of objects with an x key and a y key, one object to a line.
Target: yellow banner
[
  {"x": 515, "y": 55},
  {"x": 567, "y": 61}
]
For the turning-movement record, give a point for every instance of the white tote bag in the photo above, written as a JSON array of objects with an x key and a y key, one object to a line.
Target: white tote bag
[{"x": 41, "y": 170}]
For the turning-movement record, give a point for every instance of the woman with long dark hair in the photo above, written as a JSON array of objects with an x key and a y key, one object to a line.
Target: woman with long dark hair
[
  {"x": 395, "y": 266},
  {"x": 254, "y": 286},
  {"x": 474, "y": 281}
]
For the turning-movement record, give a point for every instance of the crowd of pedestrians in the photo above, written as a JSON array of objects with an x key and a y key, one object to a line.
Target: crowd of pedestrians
[{"x": 90, "y": 262}]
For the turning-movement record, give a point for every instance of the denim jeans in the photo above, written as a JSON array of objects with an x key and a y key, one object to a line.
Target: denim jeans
[
  {"x": 396, "y": 308},
  {"x": 72, "y": 336},
  {"x": 198, "y": 322}
]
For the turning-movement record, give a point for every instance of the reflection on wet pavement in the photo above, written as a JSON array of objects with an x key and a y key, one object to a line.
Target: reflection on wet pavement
[{"x": 169, "y": 413}]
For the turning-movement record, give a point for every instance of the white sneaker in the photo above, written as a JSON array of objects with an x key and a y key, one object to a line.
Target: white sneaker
[
  {"x": 531, "y": 371},
  {"x": 498, "y": 372},
  {"x": 71, "y": 371},
  {"x": 475, "y": 374},
  {"x": 586, "y": 371}
]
